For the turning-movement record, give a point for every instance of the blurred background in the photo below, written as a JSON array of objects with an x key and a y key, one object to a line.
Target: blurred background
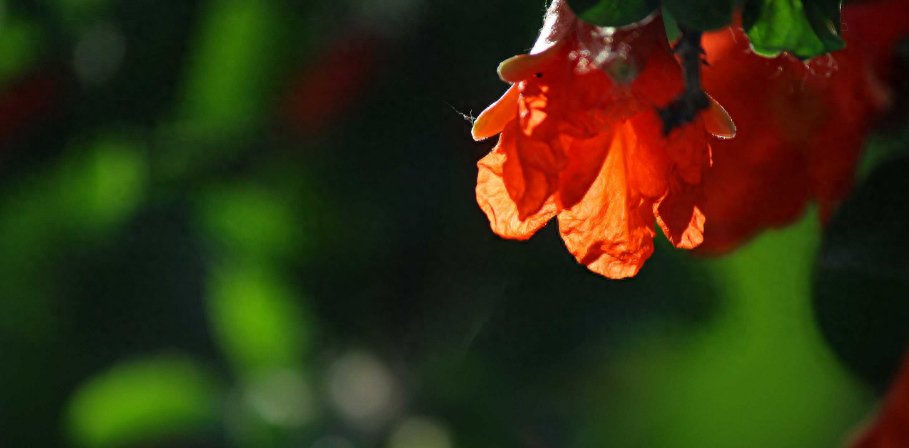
[{"x": 251, "y": 223}]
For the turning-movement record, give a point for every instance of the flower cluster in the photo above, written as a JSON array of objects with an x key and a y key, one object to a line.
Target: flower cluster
[{"x": 580, "y": 138}]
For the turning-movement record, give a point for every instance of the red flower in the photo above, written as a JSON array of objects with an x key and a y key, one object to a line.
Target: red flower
[
  {"x": 890, "y": 429},
  {"x": 580, "y": 139},
  {"x": 801, "y": 126}
]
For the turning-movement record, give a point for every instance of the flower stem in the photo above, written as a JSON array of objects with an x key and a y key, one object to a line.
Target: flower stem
[{"x": 684, "y": 108}]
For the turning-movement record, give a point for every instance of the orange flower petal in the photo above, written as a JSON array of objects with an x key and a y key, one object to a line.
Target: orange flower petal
[
  {"x": 689, "y": 151},
  {"x": 501, "y": 210},
  {"x": 528, "y": 184},
  {"x": 611, "y": 229},
  {"x": 661, "y": 79},
  {"x": 492, "y": 120},
  {"x": 585, "y": 160},
  {"x": 679, "y": 216},
  {"x": 648, "y": 164}
]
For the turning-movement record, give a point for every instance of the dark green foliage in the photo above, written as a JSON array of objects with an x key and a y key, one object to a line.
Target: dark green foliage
[
  {"x": 701, "y": 15},
  {"x": 862, "y": 276},
  {"x": 613, "y": 13},
  {"x": 805, "y": 28}
]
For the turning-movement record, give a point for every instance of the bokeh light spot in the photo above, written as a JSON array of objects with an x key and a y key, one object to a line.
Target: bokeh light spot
[
  {"x": 363, "y": 390},
  {"x": 332, "y": 442},
  {"x": 283, "y": 397},
  {"x": 420, "y": 432},
  {"x": 99, "y": 54}
]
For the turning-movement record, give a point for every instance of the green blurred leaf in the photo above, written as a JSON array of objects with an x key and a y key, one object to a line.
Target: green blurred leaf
[
  {"x": 231, "y": 66},
  {"x": 257, "y": 319},
  {"x": 18, "y": 46},
  {"x": 143, "y": 401},
  {"x": 862, "y": 276},
  {"x": 76, "y": 13},
  {"x": 233, "y": 63},
  {"x": 93, "y": 189},
  {"x": 250, "y": 221},
  {"x": 760, "y": 372},
  {"x": 105, "y": 186},
  {"x": 613, "y": 12},
  {"x": 702, "y": 15},
  {"x": 804, "y": 28}
]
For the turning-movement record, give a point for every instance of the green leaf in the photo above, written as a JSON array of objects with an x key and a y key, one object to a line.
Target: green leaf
[
  {"x": 230, "y": 80},
  {"x": 105, "y": 186},
  {"x": 231, "y": 64},
  {"x": 613, "y": 12},
  {"x": 142, "y": 401},
  {"x": 701, "y": 15},
  {"x": 250, "y": 221},
  {"x": 804, "y": 28},
  {"x": 257, "y": 319},
  {"x": 672, "y": 26},
  {"x": 19, "y": 43}
]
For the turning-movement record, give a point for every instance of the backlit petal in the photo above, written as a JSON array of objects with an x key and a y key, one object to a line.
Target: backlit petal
[
  {"x": 501, "y": 210},
  {"x": 492, "y": 120},
  {"x": 610, "y": 230},
  {"x": 679, "y": 216},
  {"x": 586, "y": 159},
  {"x": 528, "y": 184},
  {"x": 648, "y": 164}
]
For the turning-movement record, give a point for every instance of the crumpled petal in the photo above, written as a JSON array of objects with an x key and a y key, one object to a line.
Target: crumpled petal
[
  {"x": 501, "y": 210},
  {"x": 679, "y": 216},
  {"x": 585, "y": 160},
  {"x": 530, "y": 182},
  {"x": 611, "y": 229},
  {"x": 685, "y": 150},
  {"x": 647, "y": 161}
]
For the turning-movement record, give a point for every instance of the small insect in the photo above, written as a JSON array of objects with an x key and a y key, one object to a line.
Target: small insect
[{"x": 467, "y": 117}]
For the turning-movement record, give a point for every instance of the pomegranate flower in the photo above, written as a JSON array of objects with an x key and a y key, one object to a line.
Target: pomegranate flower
[
  {"x": 801, "y": 126},
  {"x": 580, "y": 138}
]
